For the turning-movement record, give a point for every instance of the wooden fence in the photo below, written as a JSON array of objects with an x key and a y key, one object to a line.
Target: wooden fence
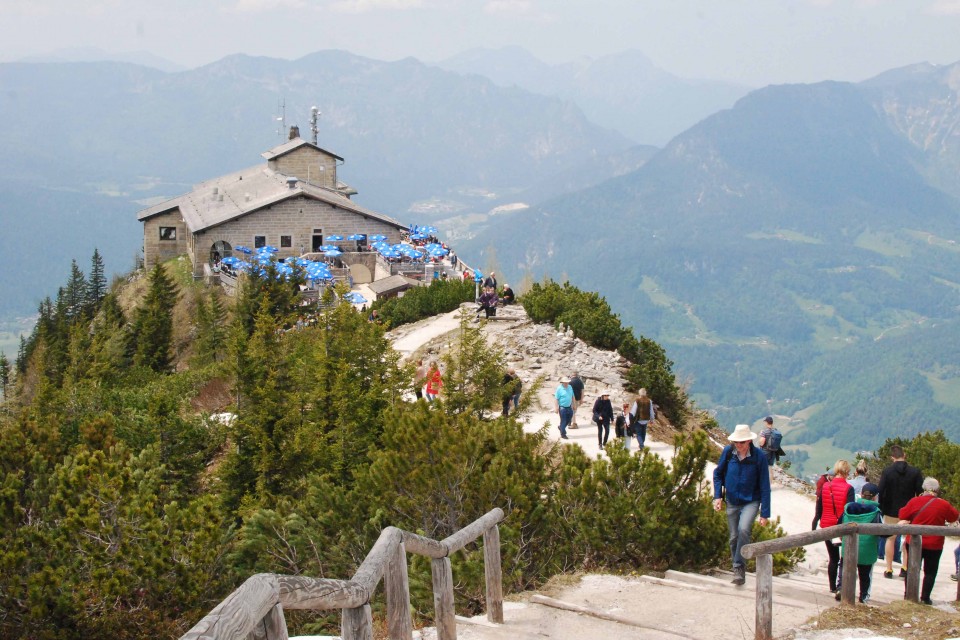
[
  {"x": 255, "y": 609},
  {"x": 763, "y": 551}
]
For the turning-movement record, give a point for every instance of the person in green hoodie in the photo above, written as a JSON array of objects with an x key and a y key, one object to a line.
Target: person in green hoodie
[{"x": 865, "y": 510}]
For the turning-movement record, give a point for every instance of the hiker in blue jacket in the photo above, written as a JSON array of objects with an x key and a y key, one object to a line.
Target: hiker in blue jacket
[{"x": 742, "y": 478}]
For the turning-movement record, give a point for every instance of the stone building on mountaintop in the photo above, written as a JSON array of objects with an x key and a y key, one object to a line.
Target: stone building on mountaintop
[{"x": 293, "y": 203}]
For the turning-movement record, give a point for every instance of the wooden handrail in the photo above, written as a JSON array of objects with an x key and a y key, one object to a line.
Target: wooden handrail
[
  {"x": 256, "y": 607},
  {"x": 849, "y": 531}
]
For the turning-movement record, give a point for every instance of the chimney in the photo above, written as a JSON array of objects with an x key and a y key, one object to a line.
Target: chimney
[
  {"x": 292, "y": 182},
  {"x": 294, "y": 132}
]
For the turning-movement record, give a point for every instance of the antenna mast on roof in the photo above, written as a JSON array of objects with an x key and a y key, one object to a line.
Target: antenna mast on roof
[
  {"x": 282, "y": 118},
  {"x": 314, "y": 130}
]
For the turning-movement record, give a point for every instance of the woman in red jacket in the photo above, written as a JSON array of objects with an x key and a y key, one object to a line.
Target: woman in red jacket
[
  {"x": 434, "y": 381},
  {"x": 833, "y": 499},
  {"x": 929, "y": 509}
]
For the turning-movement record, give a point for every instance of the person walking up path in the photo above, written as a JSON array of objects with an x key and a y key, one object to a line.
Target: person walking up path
[
  {"x": 603, "y": 416},
  {"x": 641, "y": 414},
  {"x": 899, "y": 483},
  {"x": 563, "y": 404},
  {"x": 577, "y": 385},
  {"x": 742, "y": 480}
]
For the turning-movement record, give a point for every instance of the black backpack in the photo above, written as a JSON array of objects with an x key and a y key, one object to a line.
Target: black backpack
[{"x": 772, "y": 443}]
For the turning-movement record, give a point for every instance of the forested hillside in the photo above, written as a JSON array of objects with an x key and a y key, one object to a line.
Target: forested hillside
[
  {"x": 128, "y": 510},
  {"x": 796, "y": 254}
]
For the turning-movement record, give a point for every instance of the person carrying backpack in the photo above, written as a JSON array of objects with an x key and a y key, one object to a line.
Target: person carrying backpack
[
  {"x": 770, "y": 439},
  {"x": 866, "y": 510},
  {"x": 739, "y": 479}
]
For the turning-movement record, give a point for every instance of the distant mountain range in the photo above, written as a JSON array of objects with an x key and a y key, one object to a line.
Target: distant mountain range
[
  {"x": 797, "y": 253},
  {"x": 623, "y": 91},
  {"x": 94, "y": 54},
  {"x": 408, "y": 131}
]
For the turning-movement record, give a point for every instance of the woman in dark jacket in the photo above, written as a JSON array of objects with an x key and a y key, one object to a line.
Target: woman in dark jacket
[{"x": 603, "y": 416}]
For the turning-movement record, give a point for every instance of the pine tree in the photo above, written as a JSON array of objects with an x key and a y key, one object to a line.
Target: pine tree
[
  {"x": 96, "y": 286},
  {"x": 473, "y": 375},
  {"x": 75, "y": 293},
  {"x": 211, "y": 328},
  {"x": 153, "y": 323},
  {"x": 22, "y": 356},
  {"x": 4, "y": 374}
]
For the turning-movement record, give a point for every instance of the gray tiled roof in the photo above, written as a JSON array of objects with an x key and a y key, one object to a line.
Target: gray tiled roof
[
  {"x": 244, "y": 192},
  {"x": 392, "y": 283},
  {"x": 290, "y": 145}
]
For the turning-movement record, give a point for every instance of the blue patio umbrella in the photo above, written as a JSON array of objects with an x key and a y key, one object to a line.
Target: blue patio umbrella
[
  {"x": 356, "y": 236},
  {"x": 333, "y": 253},
  {"x": 428, "y": 230},
  {"x": 355, "y": 298},
  {"x": 334, "y": 238},
  {"x": 267, "y": 249},
  {"x": 418, "y": 236},
  {"x": 231, "y": 261},
  {"x": 243, "y": 249},
  {"x": 328, "y": 247},
  {"x": 377, "y": 237}
]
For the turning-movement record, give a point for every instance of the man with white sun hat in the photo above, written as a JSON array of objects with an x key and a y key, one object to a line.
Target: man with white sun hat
[{"x": 742, "y": 480}]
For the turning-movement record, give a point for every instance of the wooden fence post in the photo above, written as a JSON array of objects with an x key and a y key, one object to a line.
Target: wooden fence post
[
  {"x": 849, "y": 575},
  {"x": 493, "y": 574},
  {"x": 443, "y": 599},
  {"x": 357, "y": 624},
  {"x": 397, "y": 586},
  {"x": 764, "y": 620},
  {"x": 915, "y": 552}
]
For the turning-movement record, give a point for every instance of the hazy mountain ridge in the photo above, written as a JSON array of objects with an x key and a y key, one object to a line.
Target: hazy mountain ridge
[
  {"x": 799, "y": 221},
  {"x": 624, "y": 91}
]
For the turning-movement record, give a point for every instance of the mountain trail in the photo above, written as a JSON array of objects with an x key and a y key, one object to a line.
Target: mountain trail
[{"x": 608, "y": 606}]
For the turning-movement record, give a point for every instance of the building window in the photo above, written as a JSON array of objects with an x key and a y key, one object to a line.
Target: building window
[
  {"x": 259, "y": 241},
  {"x": 286, "y": 242},
  {"x": 168, "y": 233}
]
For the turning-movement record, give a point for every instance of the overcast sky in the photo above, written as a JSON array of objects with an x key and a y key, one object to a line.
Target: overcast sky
[{"x": 754, "y": 42}]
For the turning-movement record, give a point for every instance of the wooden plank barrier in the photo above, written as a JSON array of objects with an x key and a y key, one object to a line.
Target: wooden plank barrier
[
  {"x": 763, "y": 552},
  {"x": 254, "y": 610}
]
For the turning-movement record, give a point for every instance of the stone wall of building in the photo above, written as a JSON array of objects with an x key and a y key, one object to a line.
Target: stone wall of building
[
  {"x": 300, "y": 218},
  {"x": 159, "y": 248},
  {"x": 309, "y": 165}
]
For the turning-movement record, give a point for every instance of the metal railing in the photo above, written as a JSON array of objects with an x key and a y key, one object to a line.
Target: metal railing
[
  {"x": 255, "y": 609},
  {"x": 763, "y": 551}
]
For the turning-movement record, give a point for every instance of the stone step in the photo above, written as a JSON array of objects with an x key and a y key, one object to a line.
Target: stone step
[{"x": 782, "y": 590}]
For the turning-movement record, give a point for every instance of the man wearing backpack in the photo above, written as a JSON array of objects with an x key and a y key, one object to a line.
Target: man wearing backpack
[
  {"x": 740, "y": 480},
  {"x": 770, "y": 439},
  {"x": 899, "y": 483}
]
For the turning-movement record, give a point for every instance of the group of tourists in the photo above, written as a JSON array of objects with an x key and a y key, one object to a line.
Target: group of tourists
[
  {"x": 903, "y": 496},
  {"x": 631, "y": 422},
  {"x": 427, "y": 380},
  {"x": 489, "y": 299},
  {"x": 742, "y": 481}
]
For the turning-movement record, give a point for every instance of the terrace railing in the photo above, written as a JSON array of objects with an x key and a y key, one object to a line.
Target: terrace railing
[{"x": 255, "y": 609}]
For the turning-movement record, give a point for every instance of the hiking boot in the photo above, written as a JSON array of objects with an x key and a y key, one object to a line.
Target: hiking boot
[
  {"x": 954, "y": 576},
  {"x": 739, "y": 575},
  {"x": 903, "y": 572},
  {"x": 888, "y": 575},
  {"x": 926, "y": 601},
  {"x": 837, "y": 596},
  {"x": 564, "y": 437}
]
